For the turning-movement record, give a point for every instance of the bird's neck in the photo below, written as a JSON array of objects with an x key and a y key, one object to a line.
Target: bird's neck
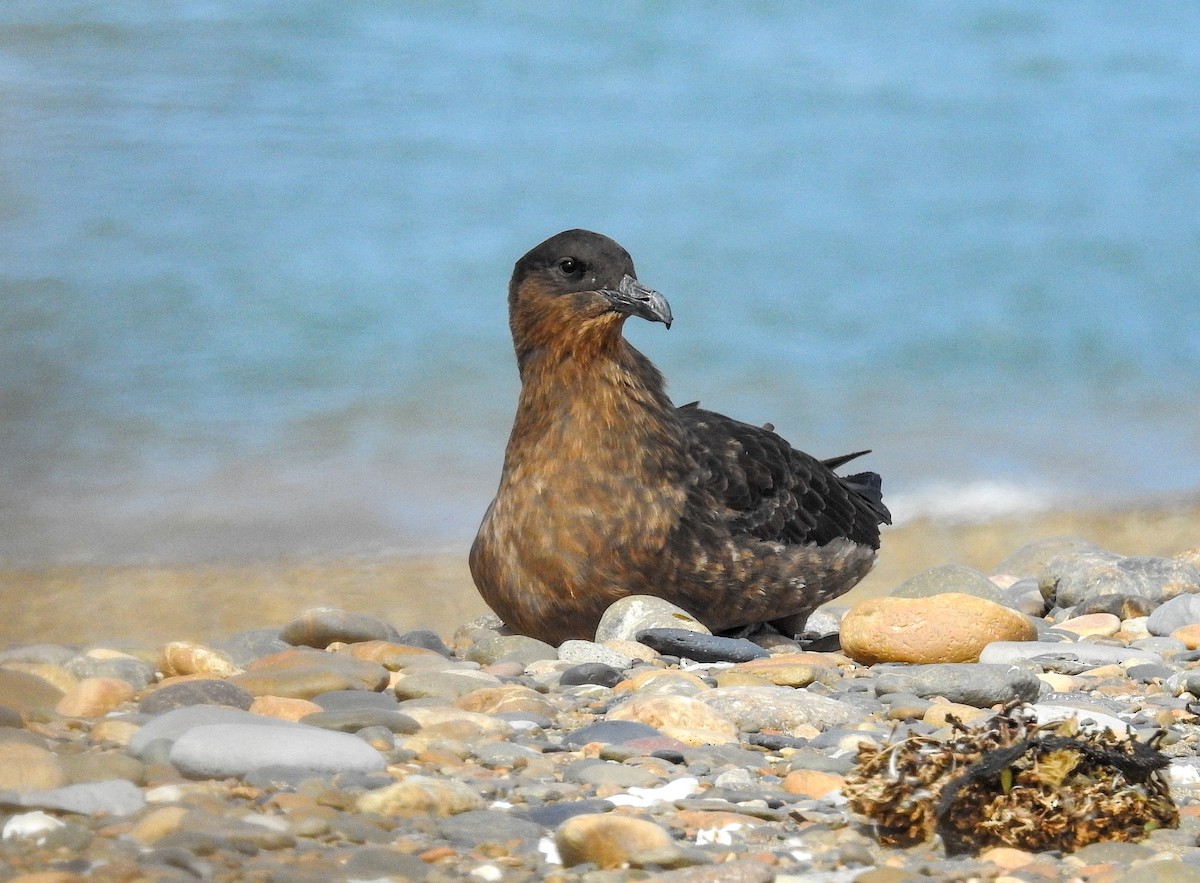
[{"x": 594, "y": 400}]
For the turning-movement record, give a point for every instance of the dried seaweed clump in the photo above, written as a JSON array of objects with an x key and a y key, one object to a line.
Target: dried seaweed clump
[{"x": 1013, "y": 782}]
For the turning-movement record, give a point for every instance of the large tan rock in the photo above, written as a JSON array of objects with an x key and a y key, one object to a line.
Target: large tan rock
[{"x": 950, "y": 627}]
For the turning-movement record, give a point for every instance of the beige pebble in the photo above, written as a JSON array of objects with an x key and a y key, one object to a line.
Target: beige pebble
[
  {"x": 1103, "y": 624},
  {"x": 1189, "y": 635},
  {"x": 392, "y": 656},
  {"x": 950, "y": 627},
  {"x": 635, "y": 650},
  {"x": 189, "y": 658},
  {"x": 55, "y": 675},
  {"x": 608, "y": 840},
  {"x": 1007, "y": 858},
  {"x": 112, "y": 731},
  {"x": 507, "y": 698},
  {"x": 939, "y": 714},
  {"x": 421, "y": 795},
  {"x": 471, "y": 723},
  {"x": 157, "y": 824},
  {"x": 812, "y": 783},
  {"x": 788, "y": 670},
  {"x": 1060, "y": 683},
  {"x": 25, "y": 767},
  {"x": 284, "y": 708},
  {"x": 681, "y": 717},
  {"x": 662, "y": 681},
  {"x": 94, "y": 697}
]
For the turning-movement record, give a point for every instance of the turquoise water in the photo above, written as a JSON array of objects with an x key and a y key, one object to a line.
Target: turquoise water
[{"x": 253, "y": 257}]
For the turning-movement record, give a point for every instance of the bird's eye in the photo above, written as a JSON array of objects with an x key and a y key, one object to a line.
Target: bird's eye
[{"x": 570, "y": 267}]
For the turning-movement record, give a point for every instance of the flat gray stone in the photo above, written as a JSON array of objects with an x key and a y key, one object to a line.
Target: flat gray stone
[
  {"x": 115, "y": 797},
  {"x": 949, "y": 578},
  {"x": 1066, "y": 656},
  {"x": 173, "y": 724},
  {"x": 217, "y": 751},
  {"x": 1174, "y": 614},
  {"x": 968, "y": 683},
  {"x": 778, "y": 708}
]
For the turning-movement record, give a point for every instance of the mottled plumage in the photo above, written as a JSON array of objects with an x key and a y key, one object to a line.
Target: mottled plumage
[{"x": 610, "y": 490}]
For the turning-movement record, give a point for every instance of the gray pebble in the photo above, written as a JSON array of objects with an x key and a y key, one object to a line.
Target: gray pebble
[
  {"x": 1174, "y": 614},
  {"x": 626, "y": 617},
  {"x": 216, "y": 751},
  {"x": 351, "y": 720},
  {"x": 949, "y": 578},
  {"x": 1066, "y": 657},
  {"x": 510, "y": 648},
  {"x": 980, "y": 685},
  {"x": 580, "y": 652},
  {"x": 133, "y": 671},
  {"x": 1073, "y": 579},
  {"x": 203, "y": 691},
  {"x": 778, "y": 708},
  {"x": 173, "y": 724},
  {"x": 321, "y": 626},
  {"x": 115, "y": 797}
]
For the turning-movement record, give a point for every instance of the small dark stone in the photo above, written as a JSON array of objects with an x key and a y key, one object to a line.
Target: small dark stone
[
  {"x": 701, "y": 647},
  {"x": 1148, "y": 672},
  {"x": 199, "y": 692},
  {"x": 10, "y": 717},
  {"x": 427, "y": 639},
  {"x": 775, "y": 741},
  {"x": 590, "y": 673},
  {"x": 822, "y": 643}
]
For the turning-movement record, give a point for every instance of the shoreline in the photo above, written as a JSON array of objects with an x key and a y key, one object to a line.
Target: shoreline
[{"x": 145, "y": 604}]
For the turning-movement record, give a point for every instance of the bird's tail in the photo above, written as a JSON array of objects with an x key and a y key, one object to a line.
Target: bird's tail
[{"x": 869, "y": 487}]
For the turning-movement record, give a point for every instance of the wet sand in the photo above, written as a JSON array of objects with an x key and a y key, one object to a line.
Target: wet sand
[{"x": 148, "y": 604}]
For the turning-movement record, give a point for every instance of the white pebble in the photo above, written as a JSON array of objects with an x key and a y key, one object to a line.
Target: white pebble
[{"x": 31, "y": 825}]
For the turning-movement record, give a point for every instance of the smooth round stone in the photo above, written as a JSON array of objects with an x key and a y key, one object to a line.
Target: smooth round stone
[
  {"x": 444, "y": 685},
  {"x": 782, "y": 709},
  {"x": 284, "y": 708},
  {"x": 628, "y": 616},
  {"x": 245, "y": 647},
  {"x": 978, "y": 685},
  {"x": 787, "y": 670},
  {"x": 611, "y": 732},
  {"x": 1188, "y": 635},
  {"x": 551, "y": 815},
  {"x": 1172, "y": 615},
  {"x": 1025, "y": 596},
  {"x": 1074, "y": 578},
  {"x": 688, "y": 644},
  {"x": 689, "y": 720},
  {"x": 126, "y": 668},
  {"x": 507, "y": 699},
  {"x": 25, "y": 768},
  {"x": 504, "y": 755},
  {"x": 1120, "y": 606},
  {"x": 658, "y": 681},
  {"x": 1103, "y": 624},
  {"x": 510, "y": 648},
  {"x": 321, "y": 626},
  {"x": 585, "y": 652},
  {"x": 219, "y": 750},
  {"x": 812, "y": 783},
  {"x": 598, "y": 773},
  {"x": 178, "y": 658},
  {"x": 94, "y": 697},
  {"x": 392, "y": 655},
  {"x": 426, "y": 639},
  {"x": 590, "y": 673},
  {"x": 383, "y": 863},
  {"x": 173, "y": 724},
  {"x": 1069, "y": 658},
  {"x": 351, "y": 720},
  {"x": 480, "y": 827},
  {"x": 204, "y": 691},
  {"x": 949, "y": 578},
  {"x": 28, "y": 694},
  {"x": 337, "y": 700},
  {"x": 421, "y": 795},
  {"x": 1032, "y": 559},
  {"x": 101, "y": 766},
  {"x": 614, "y": 841},
  {"x": 302, "y": 673},
  {"x": 943, "y": 628},
  {"x": 115, "y": 797}
]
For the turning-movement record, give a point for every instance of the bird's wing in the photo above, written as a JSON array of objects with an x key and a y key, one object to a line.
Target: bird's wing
[{"x": 760, "y": 485}]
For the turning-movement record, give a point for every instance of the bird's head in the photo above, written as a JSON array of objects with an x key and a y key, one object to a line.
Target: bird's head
[{"x": 577, "y": 283}]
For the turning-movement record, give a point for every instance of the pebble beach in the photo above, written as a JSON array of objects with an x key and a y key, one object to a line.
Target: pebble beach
[{"x": 368, "y": 719}]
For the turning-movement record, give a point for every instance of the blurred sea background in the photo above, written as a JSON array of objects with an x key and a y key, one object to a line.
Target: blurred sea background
[{"x": 253, "y": 257}]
